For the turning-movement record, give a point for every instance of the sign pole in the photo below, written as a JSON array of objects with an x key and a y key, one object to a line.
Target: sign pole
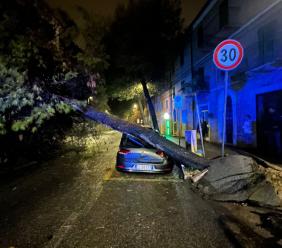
[
  {"x": 179, "y": 126},
  {"x": 224, "y": 113},
  {"x": 200, "y": 126},
  {"x": 227, "y": 56}
]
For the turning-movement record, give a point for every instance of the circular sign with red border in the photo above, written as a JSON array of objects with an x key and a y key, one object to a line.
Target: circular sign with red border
[{"x": 228, "y": 55}]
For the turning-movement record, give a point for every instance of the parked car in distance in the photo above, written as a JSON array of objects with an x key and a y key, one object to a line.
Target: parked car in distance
[{"x": 136, "y": 155}]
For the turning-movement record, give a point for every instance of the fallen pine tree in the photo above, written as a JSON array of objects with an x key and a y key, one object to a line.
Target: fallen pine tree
[{"x": 179, "y": 154}]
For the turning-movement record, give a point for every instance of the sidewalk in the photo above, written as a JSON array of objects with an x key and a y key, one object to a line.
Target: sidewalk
[{"x": 212, "y": 150}]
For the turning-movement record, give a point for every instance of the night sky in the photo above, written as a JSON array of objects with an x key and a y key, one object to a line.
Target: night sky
[{"x": 107, "y": 7}]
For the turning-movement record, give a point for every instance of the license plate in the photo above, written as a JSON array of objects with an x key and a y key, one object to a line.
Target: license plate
[{"x": 144, "y": 167}]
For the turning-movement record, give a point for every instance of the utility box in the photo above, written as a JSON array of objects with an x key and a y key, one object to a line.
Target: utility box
[{"x": 191, "y": 140}]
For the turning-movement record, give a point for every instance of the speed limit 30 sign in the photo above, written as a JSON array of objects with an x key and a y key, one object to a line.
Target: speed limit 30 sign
[{"x": 228, "y": 55}]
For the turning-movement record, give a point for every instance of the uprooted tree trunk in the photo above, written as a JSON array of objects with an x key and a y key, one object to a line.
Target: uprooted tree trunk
[
  {"x": 179, "y": 154},
  {"x": 150, "y": 105}
]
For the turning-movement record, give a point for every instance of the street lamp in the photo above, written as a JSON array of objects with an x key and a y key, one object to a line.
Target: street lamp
[
  {"x": 135, "y": 106},
  {"x": 90, "y": 99},
  {"x": 166, "y": 116}
]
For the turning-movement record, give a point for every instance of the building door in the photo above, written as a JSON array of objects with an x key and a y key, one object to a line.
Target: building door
[
  {"x": 269, "y": 125},
  {"x": 205, "y": 122},
  {"x": 229, "y": 121}
]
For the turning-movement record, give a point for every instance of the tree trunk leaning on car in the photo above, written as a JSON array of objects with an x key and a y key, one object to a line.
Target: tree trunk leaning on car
[{"x": 178, "y": 154}]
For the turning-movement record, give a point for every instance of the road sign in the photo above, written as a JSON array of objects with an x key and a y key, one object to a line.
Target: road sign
[
  {"x": 178, "y": 102},
  {"x": 228, "y": 55}
]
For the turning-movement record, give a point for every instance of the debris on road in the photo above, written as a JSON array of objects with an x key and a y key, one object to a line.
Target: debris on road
[
  {"x": 198, "y": 176},
  {"x": 238, "y": 178}
]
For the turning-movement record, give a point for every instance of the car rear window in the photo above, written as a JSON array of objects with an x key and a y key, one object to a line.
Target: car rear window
[{"x": 133, "y": 142}]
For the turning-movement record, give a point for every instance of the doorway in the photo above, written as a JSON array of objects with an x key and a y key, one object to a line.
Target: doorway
[
  {"x": 269, "y": 125},
  {"x": 229, "y": 121}
]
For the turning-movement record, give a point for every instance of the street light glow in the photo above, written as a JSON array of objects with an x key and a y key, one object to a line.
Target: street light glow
[
  {"x": 166, "y": 116},
  {"x": 135, "y": 105}
]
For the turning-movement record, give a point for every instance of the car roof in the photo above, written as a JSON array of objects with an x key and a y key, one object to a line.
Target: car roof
[{"x": 138, "y": 141}]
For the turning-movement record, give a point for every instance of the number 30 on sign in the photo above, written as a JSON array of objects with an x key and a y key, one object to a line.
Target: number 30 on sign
[{"x": 228, "y": 55}]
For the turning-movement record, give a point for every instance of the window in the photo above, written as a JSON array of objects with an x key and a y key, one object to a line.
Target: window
[
  {"x": 200, "y": 37},
  {"x": 174, "y": 115},
  {"x": 223, "y": 14},
  {"x": 204, "y": 113},
  {"x": 184, "y": 116},
  {"x": 266, "y": 42},
  {"x": 201, "y": 82},
  {"x": 130, "y": 141}
]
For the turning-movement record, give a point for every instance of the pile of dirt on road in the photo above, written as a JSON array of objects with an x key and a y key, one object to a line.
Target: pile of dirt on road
[{"x": 239, "y": 178}]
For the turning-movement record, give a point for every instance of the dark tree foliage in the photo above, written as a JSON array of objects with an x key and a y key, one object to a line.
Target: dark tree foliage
[
  {"x": 142, "y": 39},
  {"x": 38, "y": 57},
  {"x": 37, "y": 39},
  {"x": 142, "y": 42}
]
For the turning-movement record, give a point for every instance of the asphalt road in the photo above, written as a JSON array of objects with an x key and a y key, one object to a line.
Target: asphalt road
[{"x": 79, "y": 200}]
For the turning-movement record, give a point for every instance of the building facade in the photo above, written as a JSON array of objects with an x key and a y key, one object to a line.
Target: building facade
[{"x": 254, "y": 101}]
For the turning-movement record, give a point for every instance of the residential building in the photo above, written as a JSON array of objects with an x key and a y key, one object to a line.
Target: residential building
[{"x": 254, "y": 101}]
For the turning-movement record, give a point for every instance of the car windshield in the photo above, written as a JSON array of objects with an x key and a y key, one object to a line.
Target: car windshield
[{"x": 134, "y": 142}]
